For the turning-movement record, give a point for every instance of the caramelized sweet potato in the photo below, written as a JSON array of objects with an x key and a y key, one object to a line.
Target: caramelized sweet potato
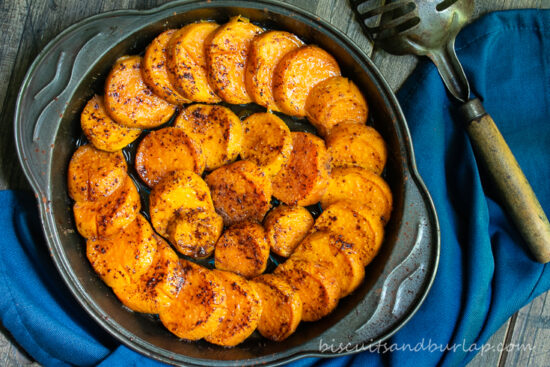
[
  {"x": 242, "y": 249},
  {"x": 315, "y": 284},
  {"x": 266, "y": 50},
  {"x": 178, "y": 191},
  {"x": 333, "y": 101},
  {"x": 158, "y": 287},
  {"x": 243, "y": 311},
  {"x": 124, "y": 257},
  {"x": 155, "y": 69},
  {"x": 281, "y": 307},
  {"x": 166, "y": 150},
  {"x": 129, "y": 101},
  {"x": 187, "y": 62},
  {"x": 94, "y": 174},
  {"x": 296, "y": 75},
  {"x": 200, "y": 306},
  {"x": 216, "y": 129},
  {"x": 361, "y": 185},
  {"x": 194, "y": 231},
  {"x": 356, "y": 145},
  {"x": 267, "y": 142},
  {"x": 304, "y": 178},
  {"x": 240, "y": 191},
  {"x": 103, "y": 218},
  {"x": 226, "y": 54},
  {"x": 101, "y": 130},
  {"x": 285, "y": 227},
  {"x": 346, "y": 266}
]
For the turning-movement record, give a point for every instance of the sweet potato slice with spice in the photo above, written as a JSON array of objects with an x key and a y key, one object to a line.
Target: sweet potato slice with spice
[
  {"x": 296, "y": 75},
  {"x": 124, "y": 257},
  {"x": 158, "y": 287},
  {"x": 315, "y": 284},
  {"x": 266, "y": 50},
  {"x": 101, "y": 130},
  {"x": 226, "y": 54},
  {"x": 104, "y": 218},
  {"x": 345, "y": 265},
  {"x": 281, "y": 307},
  {"x": 216, "y": 129},
  {"x": 363, "y": 186},
  {"x": 304, "y": 178},
  {"x": 94, "y": 174},
  {"x": 333, "y": 101},
  {"x": 285, "y": 227},
  {"x": 178, "y": 191},
  {"x": 155, "y": 69},
  {"x": 360, "y": 231},
  {"x": 356, "y": 145},
  {"x": 243, "y": 311},
  {"x": 240, "y": 191},
  {"x": 129, "y": 101},
  {"x": 166, "y": 150},
  {"x": 187, "y": 62},
  {"x": 200, "y": 307},
  {"x": 267, "y": 142},
  {"x": 242, "y": 249},
  {"x": 194, "y": 231}
]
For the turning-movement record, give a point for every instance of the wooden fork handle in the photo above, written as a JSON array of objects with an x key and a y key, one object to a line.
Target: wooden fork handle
[{"x": 515, "y": 191}]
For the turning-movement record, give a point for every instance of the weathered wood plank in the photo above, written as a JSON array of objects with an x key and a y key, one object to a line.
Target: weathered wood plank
[{"x": 491, "y": 357}]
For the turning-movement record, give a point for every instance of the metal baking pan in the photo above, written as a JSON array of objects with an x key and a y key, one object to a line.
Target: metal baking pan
[{"x": 73, "y": 67}]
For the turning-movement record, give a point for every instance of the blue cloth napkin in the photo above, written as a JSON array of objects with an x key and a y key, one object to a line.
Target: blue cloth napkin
[{"x": 485, "y": 272}]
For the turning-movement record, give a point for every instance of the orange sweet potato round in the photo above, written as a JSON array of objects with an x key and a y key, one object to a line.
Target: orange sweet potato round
[
  {"x": 266, "y": 50},
  {"x": 333, "y": 101},
  {"x": 296, "y": 75},
  {"x": 129, "y": 101},
  {"x": 285, "y": 227},
  {"x": 304, "y": 178},
  {"x": 187, "y": 62},
  {"x": 166, "y": 150}
]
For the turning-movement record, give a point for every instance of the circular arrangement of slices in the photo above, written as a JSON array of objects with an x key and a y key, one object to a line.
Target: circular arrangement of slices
[{"x": 213, "y": 178}]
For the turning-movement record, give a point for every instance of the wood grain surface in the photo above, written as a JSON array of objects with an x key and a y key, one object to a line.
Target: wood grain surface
[{"x": 27, "y": 26}]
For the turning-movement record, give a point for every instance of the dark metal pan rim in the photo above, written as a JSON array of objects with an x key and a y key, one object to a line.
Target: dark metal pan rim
[{"x": 53, "y": 236}]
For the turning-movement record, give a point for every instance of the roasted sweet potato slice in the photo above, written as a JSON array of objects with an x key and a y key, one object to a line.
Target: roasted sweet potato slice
[
  {"x": 216, "y": 129},
  {"x": 266, "y": 50},
  {"x": 363, "y": 186},
  {"x": 124, "y": 257},
  {"x": 315, "y": 284},
  {"x": 356, "y": 145},
  {"x": 226, "y": 54},
  {"x": 104, "y": 218},
  {"x": 304, "y": 178},
  {"x": 200, "y": 306},
  {"x": 281, "y": 307},
  {"x": 296, "y": 75},
  {"x": 333, "y": 101},
  {"x": 240, "y": 191},
  {"x": 158, "y": 287},
  {"x": 155, "y": 69},
  {"x": 129, "y": 101},
  {"x": 101, "y": 130},
  {"x": 285, "y": 227},
  {"x": 94, "y": 174},
  {"x": 187, "y": 62},
  {"x": 243, "y": 310},
  {"x": 166, "y": 150},
  {"x": 178, "y": 191},
  {"x": 242, "y": 249},
  {"x": 267, "y": 142},
  {"x": 194, "y": 231},
  {"x": 346, "y": 266}
]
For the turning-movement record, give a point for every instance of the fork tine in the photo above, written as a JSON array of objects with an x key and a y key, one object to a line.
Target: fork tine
[{"x": 395, "y": 23}]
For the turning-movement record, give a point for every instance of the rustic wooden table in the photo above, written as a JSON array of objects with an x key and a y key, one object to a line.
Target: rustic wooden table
[{"x": 27, "y": 26}]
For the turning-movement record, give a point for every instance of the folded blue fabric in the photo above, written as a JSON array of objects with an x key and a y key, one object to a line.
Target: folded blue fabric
[{"x": 485, "y": 272}]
